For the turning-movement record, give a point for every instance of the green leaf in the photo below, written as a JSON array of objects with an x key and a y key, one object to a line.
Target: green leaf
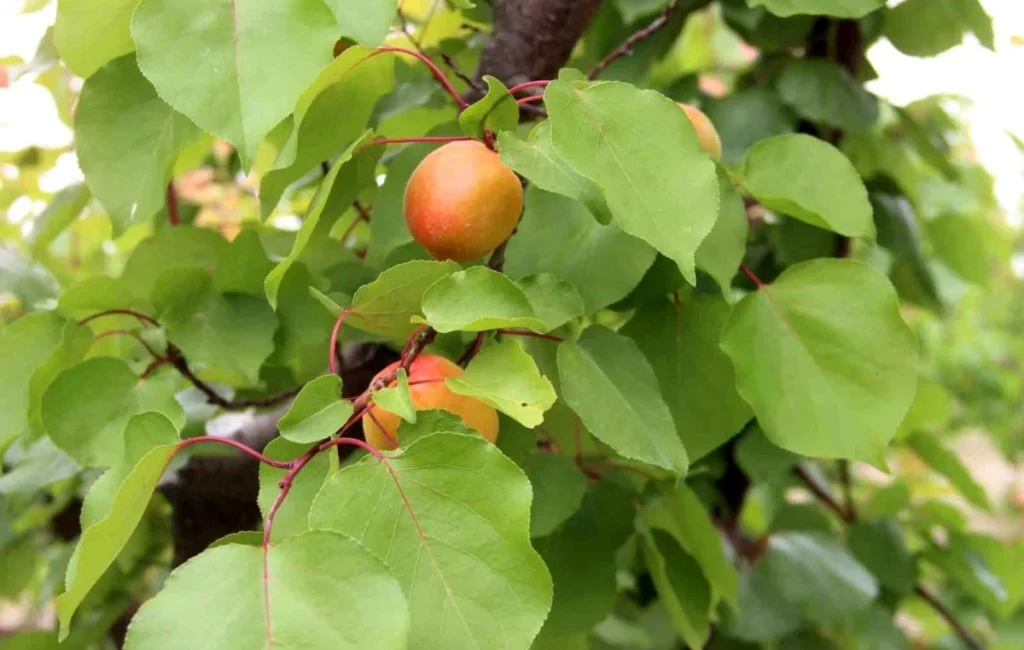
[
  {"x": 898, "y": 231},
  {"x": 387, "y": 304},
  {"x": 923, "y": 28},
  {"x": 272, "y": 283},
  {"x": 329, "y": 115},
  {"x": 230, "y": 335},
  {"x": 824, "y": 358},
  {"x": 41, "y": 465},
  {"x": 747, "y": 117},
  {"x": 226, "y": 600},
  {"x": 970, "y": 572},
  {"x": 682, "y": 589},
  {"x": 127, "y": 139},
  {"x": 536, "y": 160},
  {"x": 948, "y": 464},
  {"x": 98, "y": 293},
  {"x": 887, "y": 501},
  {"x": 243, "y": 265},
  {"x": 235, "y": 68},
  {"x": 476, "y": 300},
  {"x": 659, "y": 183},
  {"x": 496, "y": 111},
  {"x": 102, "y": 541},
  {"x": 293, "y": 517},
  {"x": 365, "y": 22},
  {"x": 761, "y": 460},
  {"x": 558, "y": 489},
  {"x": 697, "y": 380},
  {"x": 721, "y": 253},
  {"x": 317, "y": 412},
  {"x": 838, "y": 8},
  {"x": 824, "y": 92},
  {"x": 681, "y": 514},
  {"x": 818, "y": 577},
  {"x": 613, "y": 389},
  {"x": 559, "y": 236},
  {"x": 931, "y": 410},
  {"x": 810, "y": 180},
  {"x": 451, "y": 517},
  {"x": 169, "y": 248},
  {"x": 762, "y": 614},
  {"x": 88, "y": 33},
  {"x": 879, "y": 546},
  {"x": 431, "y": 421},
  {"x": 87, "y": 407},
  {"x": 581, "y": 557},
  {"x": 504, "y": 376},
  {"x": 397, "y": 398},
  {"x": 965, "y": 244},
  {"x": 554, "y": 300},
  {"x": 62, "y": 211},
  {"x": 304, "y": 333},
  {"x": 25, "y": 345}
]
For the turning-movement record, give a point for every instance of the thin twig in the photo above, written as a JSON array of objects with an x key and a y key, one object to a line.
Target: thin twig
[
  {"x": 188, "y": 442},
  {"x": 822, "y": 493},
  {"x": 142, "y": 318},
  {"x": 751, "y": 276},
  {"x": 440, "y": 76},
  {"x": 153, "y": 353},
  {"x": 961, "y": 630},
  {"x": 627, "y": 46},
  {"x": 472, "y": 350},
  {"x": 177, "y": 359},
  {"x": 847, "y": 483},
  {"x": 173, "y": 216}
]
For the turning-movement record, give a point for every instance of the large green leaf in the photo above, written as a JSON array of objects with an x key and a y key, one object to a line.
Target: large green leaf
[
  {"x": 554, "y": 300},
  {"x": 824, "y": 92},
  {"x": 839, "y": 8},
  {"x": 879, "y": 546},
  {"x": 243, "y": 265},
  {"x": 761, "y": 615},
  {"x": 169, "y": 248},
  {"x": 948, "y": 464},
  {"x": 476, "y": 300},
  {"x": 682, "y": 589},
  {"x": 301, "y": 343},
  {"x": 127, "y": 138},
  {"x": 88, "y": 33},
  {"x": 317, "y": 412},
  {"x": 721, "y": 253},
  {"x": 227, "y": 335},
  {"x": 929, "y": 27},
  {"x": 824, "y": 358},
  {"x": 811, "y": 180},
  {"x": 318, "y": 590},
  {"x": 697, "y": 380},
  {"x": 581, "y": 556},
  {"x": 504, "y": 376},
  {"x": 366, "y": 22},
  {"x": 818, "y": 577},
  {"x": 103, "y": 540},
  {"x": 559, "y": 236},
  {"x": 25, "y": 345},
  {"x": 387, "y": 305},
  {"x": 681, "y": 514},
  {"x": 87, "y": 407},
  {"x": 328, "y": 117},
  {"x": 613, "y": 389},
  {"x": 558, "y": 489},
  {"x": 311, "y": 223},
  {"x": 535, "y": 159},
  {"x": 451, "y": 517},
  {"x": 234, "y": 67},
  {"x": 293, "y": 516},
  {"x": 659, "y": 183},
  {"x": 966, "y": 245}
]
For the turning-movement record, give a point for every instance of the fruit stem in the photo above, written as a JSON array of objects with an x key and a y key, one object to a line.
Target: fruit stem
[
  {"x": 425, "y": 138},
  {"x": 436, "y": 71},
  {"x": 529, "y": 84},
  {"x": 188, "y": 442},
  {"x": 753, "y": 278}
]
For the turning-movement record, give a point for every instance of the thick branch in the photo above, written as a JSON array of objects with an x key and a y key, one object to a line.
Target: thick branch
[{"x": 533, "y": 39}]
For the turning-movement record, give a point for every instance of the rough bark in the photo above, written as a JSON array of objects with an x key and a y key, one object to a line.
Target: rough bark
[{"x": 533, "y": 39}]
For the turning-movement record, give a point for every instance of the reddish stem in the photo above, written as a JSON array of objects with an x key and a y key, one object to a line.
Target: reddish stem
[
  {"x": 173, "y": 215},
  {"x": 753, "y": 278},
  {"x": 436, "y": 71},
  {"x": 529, "y": 84},
  {"x": 530, "y": 99},
  {"x": 147, "y": 320},
  {"x": 536, "y": 335},
  {"x": 425, "y": 138},
  {"x": 332, "y": 362},
  {"x": 472, "y": 350},
  {"x": 237, "y": 445},
  {"x": 152, "y": 352},
  {"x": 354, "y": 442}
]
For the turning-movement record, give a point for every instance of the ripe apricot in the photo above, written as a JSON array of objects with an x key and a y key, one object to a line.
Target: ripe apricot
[
  {"x": 461, "y": 201},
  {"x": 706, "y": 133},
  {"x": 432, "y": 393}
]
